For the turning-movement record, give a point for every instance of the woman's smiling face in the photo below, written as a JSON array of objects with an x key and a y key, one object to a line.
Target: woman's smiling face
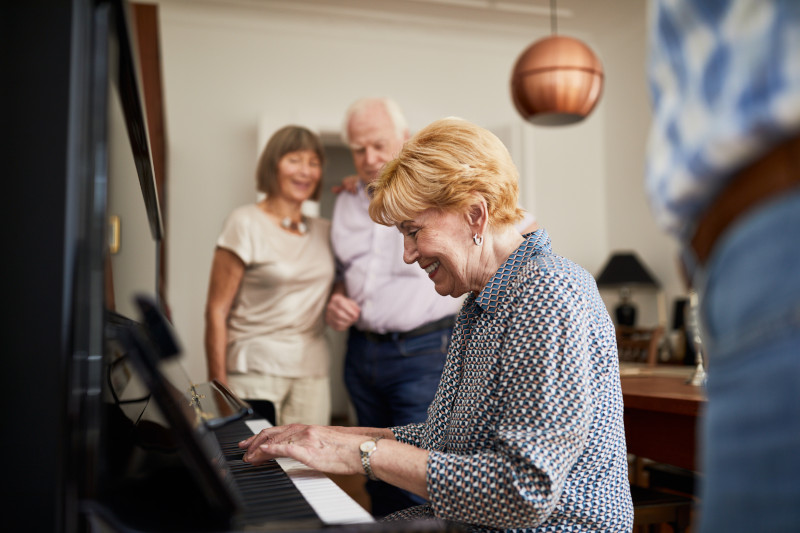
[
  {"x": 441, "y": 243},
  {"x": 299, "y": 174}
]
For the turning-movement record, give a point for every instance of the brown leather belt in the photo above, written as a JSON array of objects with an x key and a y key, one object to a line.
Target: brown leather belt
[{"x": 772, "y": 174}]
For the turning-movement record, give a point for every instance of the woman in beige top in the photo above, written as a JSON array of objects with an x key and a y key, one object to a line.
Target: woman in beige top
[{"x": 270, "y": 279}]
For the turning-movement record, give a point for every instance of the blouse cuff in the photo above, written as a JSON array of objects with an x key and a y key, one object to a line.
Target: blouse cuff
[{"x": 409, "y": 434}]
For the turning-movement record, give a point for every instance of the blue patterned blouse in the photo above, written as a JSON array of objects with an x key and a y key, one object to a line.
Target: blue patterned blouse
[{"x": 526, "y": 432}]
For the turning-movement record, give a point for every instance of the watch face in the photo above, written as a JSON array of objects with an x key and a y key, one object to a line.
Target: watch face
[{"x": 367, "y": 446}]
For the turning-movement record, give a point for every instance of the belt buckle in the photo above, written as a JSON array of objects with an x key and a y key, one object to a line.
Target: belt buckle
[{"x": 376, "y": 337}]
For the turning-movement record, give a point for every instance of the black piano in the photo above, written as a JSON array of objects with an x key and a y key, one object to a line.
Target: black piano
[
  {"x": 170, "y": 440},
  {"x": 81, "y": 449}
]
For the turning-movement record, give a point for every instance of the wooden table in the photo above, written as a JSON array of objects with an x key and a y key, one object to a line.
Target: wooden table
[{"x": 661, "y": 413}]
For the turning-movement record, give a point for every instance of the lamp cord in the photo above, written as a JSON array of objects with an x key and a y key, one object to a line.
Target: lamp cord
[{"x": 553, "y": 18}]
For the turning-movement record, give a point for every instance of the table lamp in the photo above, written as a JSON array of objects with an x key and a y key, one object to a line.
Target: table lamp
[{"x": 624, "y": 271}]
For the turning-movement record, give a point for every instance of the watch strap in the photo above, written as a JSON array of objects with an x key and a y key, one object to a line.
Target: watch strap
[{"x": 365, "y": 457}]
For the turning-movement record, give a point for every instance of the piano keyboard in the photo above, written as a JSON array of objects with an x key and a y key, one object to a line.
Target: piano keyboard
[{"x": 269, "y": 492}]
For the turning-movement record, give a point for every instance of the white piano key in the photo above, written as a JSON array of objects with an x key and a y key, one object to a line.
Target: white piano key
[{"x": 332, "y": 504}]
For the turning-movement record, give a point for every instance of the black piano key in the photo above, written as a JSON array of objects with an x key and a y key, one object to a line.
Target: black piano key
[{"x": 265, "y": 491}]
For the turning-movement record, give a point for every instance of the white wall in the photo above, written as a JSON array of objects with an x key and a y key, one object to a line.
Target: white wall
[
  {"x": 227, "y": 65},
  {"x": 627, "y": 112}
]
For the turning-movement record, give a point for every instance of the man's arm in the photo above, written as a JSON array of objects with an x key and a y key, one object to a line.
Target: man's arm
[{"x": 341, "y": 312}]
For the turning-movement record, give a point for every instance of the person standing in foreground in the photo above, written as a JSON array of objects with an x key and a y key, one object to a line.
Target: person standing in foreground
[
  {"x": 525, "y": 431},
  {"x": 270, "y": 279},
  {"x": 723, "y": 176}
]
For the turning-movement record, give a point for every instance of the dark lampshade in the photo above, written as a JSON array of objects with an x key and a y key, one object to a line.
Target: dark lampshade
[{"x": 624, "y": 268}]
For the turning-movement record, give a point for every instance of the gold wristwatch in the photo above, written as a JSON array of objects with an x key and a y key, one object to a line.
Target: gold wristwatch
[{"x": 367, "y": 448}]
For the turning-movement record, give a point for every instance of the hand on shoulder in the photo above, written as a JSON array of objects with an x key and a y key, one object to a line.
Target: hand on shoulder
[{"x": 349, "y": 184}]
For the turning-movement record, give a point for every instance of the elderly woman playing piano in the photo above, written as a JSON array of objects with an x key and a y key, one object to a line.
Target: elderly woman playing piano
[{"x": 525, "y": 431}]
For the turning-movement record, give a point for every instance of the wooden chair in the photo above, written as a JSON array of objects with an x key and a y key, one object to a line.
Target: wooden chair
[
  {"x": 672, "y": 478},
  {"x": 651, "y": 508},
  {"x": 639, "y": 345},
  {"x": 668, "y": 498}
]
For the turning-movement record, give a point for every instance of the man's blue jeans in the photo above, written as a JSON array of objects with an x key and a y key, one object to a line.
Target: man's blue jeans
[
  {"x": 750, "y": 436},
  {"x": 392, "y": 384}
]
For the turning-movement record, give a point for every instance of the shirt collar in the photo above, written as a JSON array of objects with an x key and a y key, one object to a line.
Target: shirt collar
[
  {"x": 361, "y": 188},
  {"x": 494, "y": 292}
]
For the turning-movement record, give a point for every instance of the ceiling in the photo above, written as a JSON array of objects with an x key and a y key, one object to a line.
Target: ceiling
[{"x": 514, "y": 15}]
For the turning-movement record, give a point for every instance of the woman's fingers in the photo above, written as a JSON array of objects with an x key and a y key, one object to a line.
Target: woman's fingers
[
  {"x": 269, "y": 437},
  {"x": 321, "y": 448}
]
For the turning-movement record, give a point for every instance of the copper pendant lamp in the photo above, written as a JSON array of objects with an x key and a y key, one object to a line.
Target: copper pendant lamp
[{"x": 557, "y": 80}]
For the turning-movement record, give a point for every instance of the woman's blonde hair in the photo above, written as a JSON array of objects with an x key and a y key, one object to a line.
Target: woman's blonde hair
[
  {"x": 442, "y": 167},
  {"x": 285, "y": 140}
]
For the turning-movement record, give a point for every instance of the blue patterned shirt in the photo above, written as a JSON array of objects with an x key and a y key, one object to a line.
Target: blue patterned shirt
[
  {"x": 725, "y": 85},
  {"x": 525, "y": 432}
]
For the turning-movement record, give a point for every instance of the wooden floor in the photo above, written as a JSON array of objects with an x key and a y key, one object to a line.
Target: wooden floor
[{"x": 353, "y": 485}]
